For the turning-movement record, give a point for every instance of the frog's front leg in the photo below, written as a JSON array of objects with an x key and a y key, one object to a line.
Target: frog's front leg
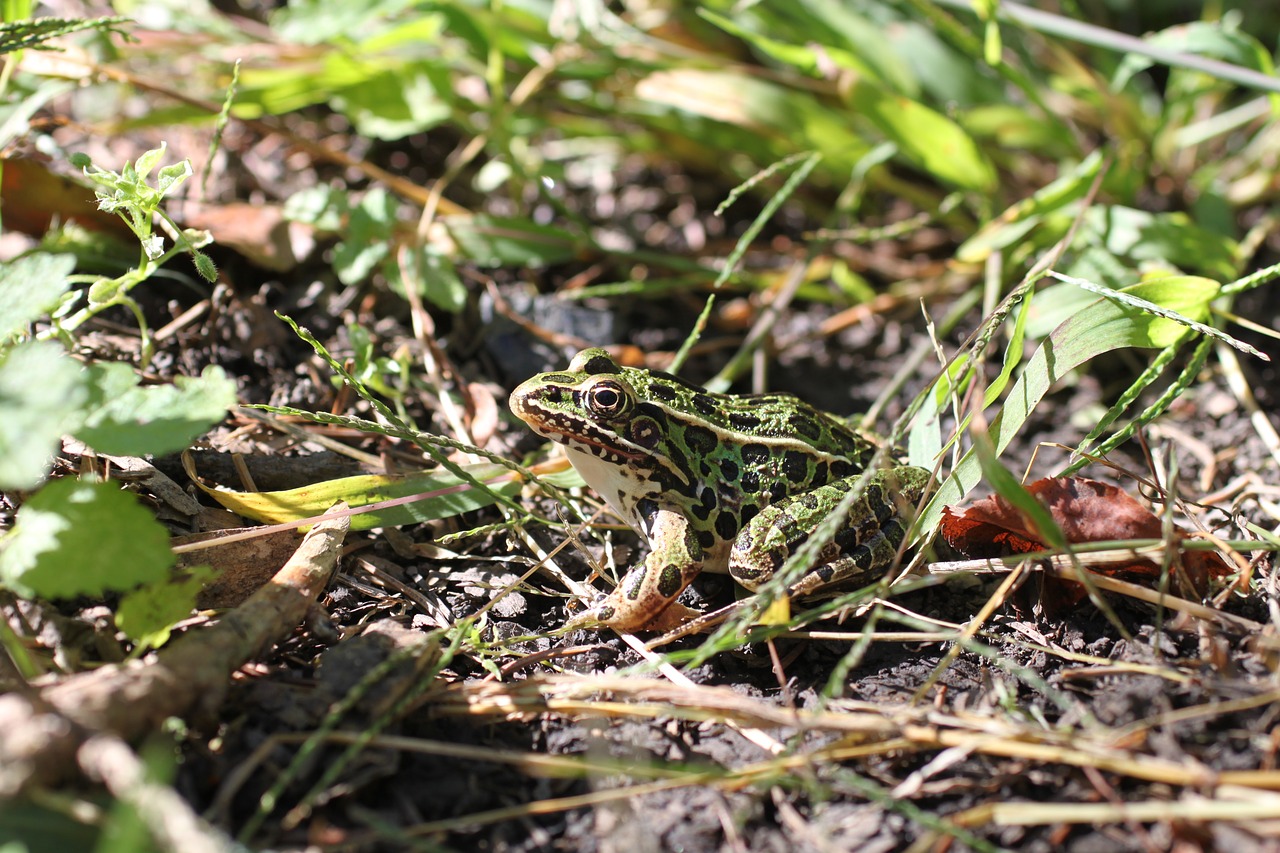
[
  {"x": 867, "y": 540},
  {"x": 645, "y": 598}
]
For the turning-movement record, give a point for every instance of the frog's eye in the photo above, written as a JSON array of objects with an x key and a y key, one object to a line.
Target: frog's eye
[{"x": 608, "y": 399}]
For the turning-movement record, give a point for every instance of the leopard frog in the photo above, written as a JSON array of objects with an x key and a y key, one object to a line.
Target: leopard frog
[{"x": 715, "y": 482}]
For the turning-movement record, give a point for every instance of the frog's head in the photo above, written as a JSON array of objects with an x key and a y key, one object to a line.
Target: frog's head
[{"x": 592, "y": 407}]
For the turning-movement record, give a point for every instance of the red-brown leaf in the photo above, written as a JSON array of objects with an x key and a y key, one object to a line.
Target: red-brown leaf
[{"x": 1085, "y": 511}]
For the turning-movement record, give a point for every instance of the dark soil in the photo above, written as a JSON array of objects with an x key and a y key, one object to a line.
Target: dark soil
[{"x": 1095, "y": 681}]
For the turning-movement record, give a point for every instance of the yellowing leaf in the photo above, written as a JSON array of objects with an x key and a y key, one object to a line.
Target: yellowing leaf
[{"x": 433, "y": 495}]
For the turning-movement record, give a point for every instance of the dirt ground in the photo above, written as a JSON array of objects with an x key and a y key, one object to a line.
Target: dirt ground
[{"x": 850, "y": 736}]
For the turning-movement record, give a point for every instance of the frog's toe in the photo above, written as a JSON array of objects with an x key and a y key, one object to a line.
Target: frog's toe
[{"x": 589, "y": 619}]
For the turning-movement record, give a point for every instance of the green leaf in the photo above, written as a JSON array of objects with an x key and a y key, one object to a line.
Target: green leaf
[
  {"x": 810, "y": 60},
  {"x": 42, "y": 391},
  {"x": 148, "y": 614},
  {"x": 147, "y": 161},
  {"x": 440, "y": 283},
  {"x": 30, "y": 288},
  {"x": 171, "y": 177},
  {"x": 500, "y": 241},
  {"x": 366, "y": 241},
  {"x": 932, "y": 141},
  {"x": 1202, "y": 38},
  {"x": 323, "y": 206},
  {"x": 1170, "y": 238},
  {"x": 80, "y": 538},
  {"x": 126, "y": 419},
  {"x": 393, "y": 104},
  {"x": 321, "y": 21},
  {"x": 1102, "y": 327}
]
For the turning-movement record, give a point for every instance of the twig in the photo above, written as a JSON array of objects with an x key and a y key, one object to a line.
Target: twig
[{"x": 40, "y": 734}]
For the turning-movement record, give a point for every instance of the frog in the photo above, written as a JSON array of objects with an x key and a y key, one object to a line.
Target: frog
[{"x": 722, "y": 483}]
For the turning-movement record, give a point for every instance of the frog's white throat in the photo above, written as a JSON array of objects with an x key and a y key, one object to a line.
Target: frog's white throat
[{"x": 621, "y": 486}]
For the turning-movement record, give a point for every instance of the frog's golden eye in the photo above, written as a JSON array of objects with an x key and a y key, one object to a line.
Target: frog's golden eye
[{"x": 608, "y": 399}]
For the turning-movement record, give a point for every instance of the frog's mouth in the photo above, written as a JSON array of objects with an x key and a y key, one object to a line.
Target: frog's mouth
[{"x": 578, "y": 439}]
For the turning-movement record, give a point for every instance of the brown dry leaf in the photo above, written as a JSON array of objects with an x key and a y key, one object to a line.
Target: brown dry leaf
[
  {"x": 35, "y": 198},
  {"x": 1086, "y": 511},
  {"x": 259, "y": 232}
]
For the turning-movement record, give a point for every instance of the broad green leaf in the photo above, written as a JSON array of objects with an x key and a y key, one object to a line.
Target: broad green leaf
[
  {"x": 323, "y": 206},
  {"x": 81, "y": 538},
  {"x": 810, "y": 60},
  {"x": 148, "y": 160},
  {"x": 366, "y": 241},
  {"x": 947, "y": 76},
  {"x": 1171, "y": 237},
  {"x": 393, "y": 103},
  {"x": 127, "y": 419},
  {"x": 1016, "y": 221},
  {"x": 148, "y": 614},
  {"x": 784, "y": 120},
  {"x": 929, "y": 139},
  {"x": 441, "y": 495},
  {"x": 501, "y": 241},
  {"x": 1102, "y": 327},
  {"x": 441, "y": 285},
  {"x": 1202, "y": 38},
  {"x": 322, "y": 22},
  {"x": 30, "y": 288},
  {"x": 42, "y": 391}
]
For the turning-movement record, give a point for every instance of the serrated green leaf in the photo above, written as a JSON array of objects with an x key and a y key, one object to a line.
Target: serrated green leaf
[
  {"x": 42, "y": 391},
  {"x": 80, "y": 538},
  {"x": 442, "y": 495},
  {"x": 148, "y": 614},
  {"x": 30, "y": 288},
  {"x": 126, "y": 419},
  {"x": 171, "y": 177}
]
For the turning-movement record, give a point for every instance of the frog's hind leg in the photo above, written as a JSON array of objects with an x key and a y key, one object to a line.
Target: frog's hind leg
[{"x": 867, "y": 540}]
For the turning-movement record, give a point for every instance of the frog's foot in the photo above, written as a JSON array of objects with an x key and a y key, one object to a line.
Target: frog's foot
[{"x": 603, "y": 615}]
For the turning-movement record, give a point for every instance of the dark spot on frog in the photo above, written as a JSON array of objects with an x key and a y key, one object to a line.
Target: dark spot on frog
[
  {"x": 660, "y": 391},
  {"x": 777, "y": 491},
  {"x": 848, "y": 539},
  {"x": 703, "y": 509},
  {"x": 600, "y": 363},
  {"x": 804, "y": 424},
  {"x": 746, "y": 513},
  {"x": 744, "y": 421},
  {"x": 729, "y": 469},
  {"x": 726, "y": 526},
  {"x": 754, "y": 455},
  {"x": 700, "y": 440},
  {"x": 706, "y": 539},
  {"x": 750, "y": 483},
  {"x": 795, "y": 466},
  {"x": 705, "y": 404},
  {"x": 669, "y": 582}
]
